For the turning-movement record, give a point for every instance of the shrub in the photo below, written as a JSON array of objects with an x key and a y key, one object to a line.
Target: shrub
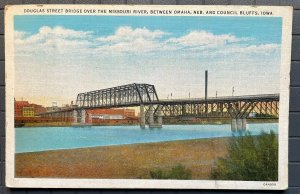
[
  {"x": 250, "y": 158},
  {"x": 177, "y": 172}
]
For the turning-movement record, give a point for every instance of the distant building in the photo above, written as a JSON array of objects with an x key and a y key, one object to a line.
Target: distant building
[
  {"x": 49, "y": 109},
  {"x": 26, "y": 109},
  {"x": 113, "y": 113},
  {"x": 38, "y": 108},
  {"x": 19, "y": 107},
  {"x": 111, "y": 116},
  {"x": 107, "y": 116},
  {"x": 28, "y": 112},
  {"x": 54, "y": 104}
]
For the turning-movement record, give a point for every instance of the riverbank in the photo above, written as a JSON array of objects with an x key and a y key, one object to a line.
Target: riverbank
[
  {"x": 67, "y": 124},
  {"x": 125, "y": 161},
  {"x": 204, "y": 121}
]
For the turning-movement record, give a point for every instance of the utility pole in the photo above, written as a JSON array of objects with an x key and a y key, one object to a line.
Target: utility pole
[
  {"x": 206, "y": 104},
  {"x": 206, "y": 78}
]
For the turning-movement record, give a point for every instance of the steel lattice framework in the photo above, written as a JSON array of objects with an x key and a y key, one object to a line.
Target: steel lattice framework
[
  {"x": 132, "y": 95},
  {"x": 120, "y": 96},
  {"x": 263, "y": 106}
]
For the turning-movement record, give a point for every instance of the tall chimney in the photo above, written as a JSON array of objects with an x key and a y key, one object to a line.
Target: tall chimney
[{"x": 206, "y": 75}]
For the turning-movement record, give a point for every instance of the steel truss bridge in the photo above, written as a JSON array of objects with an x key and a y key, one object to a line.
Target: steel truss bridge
[
  {"x": 120, "y": 96},
  {"x": 237, "y": 108},
  {"x": 263, "y": 106}
]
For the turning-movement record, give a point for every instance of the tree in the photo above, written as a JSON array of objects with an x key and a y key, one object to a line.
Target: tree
[
  {"x": 177, "y": 172},
  {"x": 250, "y": 158}
]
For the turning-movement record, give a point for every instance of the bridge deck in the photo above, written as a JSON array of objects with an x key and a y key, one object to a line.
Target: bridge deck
[{"x": 224, "y": 99}]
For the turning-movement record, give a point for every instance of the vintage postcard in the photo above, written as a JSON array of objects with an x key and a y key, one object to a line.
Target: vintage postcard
[{"x": 174, "y": 97}]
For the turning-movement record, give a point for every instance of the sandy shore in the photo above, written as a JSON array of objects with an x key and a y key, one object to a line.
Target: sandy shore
[{"x": 125, "y": 161}]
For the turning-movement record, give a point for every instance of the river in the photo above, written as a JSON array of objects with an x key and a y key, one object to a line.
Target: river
[{"x": 32, "y": 139}]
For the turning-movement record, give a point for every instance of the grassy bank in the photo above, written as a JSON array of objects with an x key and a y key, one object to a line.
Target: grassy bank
[{"x": 125, "y": 161}]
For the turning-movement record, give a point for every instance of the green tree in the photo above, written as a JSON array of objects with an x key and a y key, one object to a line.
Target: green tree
[
  {"x": 250, "y": 158},
  {"x": 177, "y": 172}
]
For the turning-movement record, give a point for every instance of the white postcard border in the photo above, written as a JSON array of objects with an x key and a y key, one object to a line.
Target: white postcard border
[{"x": 283, "y": 11}]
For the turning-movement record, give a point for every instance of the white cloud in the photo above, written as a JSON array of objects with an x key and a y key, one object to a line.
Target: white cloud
[
  {"x": 262, "y": 49},
  {"x": 68, "y": 42},
  {"x": 205, "y": 39},
  {"x": 48, "y": 35},
  {"x": 135, "y": 46},
  {"x": 63, "y": 32},
  {"x": 127, "y": 34},
  {"x": 126, "y": 39},
  {"x": 56, "y": 40},
  {"x": 19, "y": 35}
]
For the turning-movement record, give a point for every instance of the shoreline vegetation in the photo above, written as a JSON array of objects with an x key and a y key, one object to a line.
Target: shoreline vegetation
[
  {"x": 183, "y": 122},
  {"x": 249, "y": 158},
  {"x": 223, "y": 158}
]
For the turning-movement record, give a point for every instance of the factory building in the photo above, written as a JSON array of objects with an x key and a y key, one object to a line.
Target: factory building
[
  {"x": 111, "y": 116},
  {"x": 26, "y": 109}
]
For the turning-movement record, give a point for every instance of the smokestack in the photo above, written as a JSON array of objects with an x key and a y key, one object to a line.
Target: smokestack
[{"x": 206, "y": 75}]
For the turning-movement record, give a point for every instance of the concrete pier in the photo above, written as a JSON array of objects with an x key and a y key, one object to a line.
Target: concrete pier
[
  {"x": 239, "y": 124},
  {"x": 233, "y": 125},
  {"x": 159, "y": 116},
  {"x": 244, "y": 126},
  {"x": 151, "y": 116},
  {"x": 142, "y": 117},
  {"x": 82, "y": 120},
  {"x": 74, "y": 116}
]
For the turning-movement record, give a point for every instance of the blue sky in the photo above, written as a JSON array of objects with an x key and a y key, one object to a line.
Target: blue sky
[
  {"x": 59, "y": 56},
  {"x": 263, "y": 29}
]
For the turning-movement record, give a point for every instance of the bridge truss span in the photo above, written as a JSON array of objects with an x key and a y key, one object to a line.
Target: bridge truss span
[
  {"x": 264, "y": 106},
  {"x": 154, "y": 111},
  {"x": 120, "y": 96}
]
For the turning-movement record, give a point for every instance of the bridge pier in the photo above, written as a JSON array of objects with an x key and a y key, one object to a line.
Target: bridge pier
[
  {"x": 142, "y": 117},
  {"x": 238, "y": 124},
  {"x": 74, "y": 116},
  {"x": 157, "y": 122},
  {"x": 244, "y": 126},
  {"x": 159, "y": 116},
  {"x": 82, "y": 120},
  {"x": 154, "y": 118},
  {"x": 233, "y": 125},
  {"x": 151, "y": 116}
]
